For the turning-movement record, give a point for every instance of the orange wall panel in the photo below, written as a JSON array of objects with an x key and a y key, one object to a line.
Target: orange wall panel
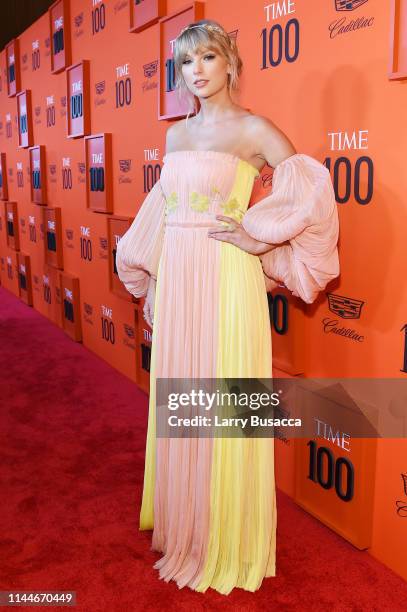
[{"x": 331, "y": 76}]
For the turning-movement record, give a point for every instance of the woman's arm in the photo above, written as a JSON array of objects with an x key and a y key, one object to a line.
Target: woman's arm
[
  {"x": 273, "y": 147},
  {"x": 272, "y": 144},
  {"x": 301, "y": 211}
]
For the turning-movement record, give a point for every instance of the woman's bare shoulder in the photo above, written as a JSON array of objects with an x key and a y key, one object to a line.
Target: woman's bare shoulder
[
  {"x": 175, "y": 135},
  {"x": 260, "y": 123},
  {"x": 272, "y": 144}
]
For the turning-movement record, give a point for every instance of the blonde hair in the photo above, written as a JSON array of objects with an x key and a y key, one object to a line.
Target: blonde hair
[{"x": 210, "y": 34}]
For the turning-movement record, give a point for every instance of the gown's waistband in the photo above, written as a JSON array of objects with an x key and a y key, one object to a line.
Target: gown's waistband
[{"x": 193, "y": 224}]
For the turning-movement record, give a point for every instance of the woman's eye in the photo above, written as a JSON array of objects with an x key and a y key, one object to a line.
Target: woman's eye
[{"x": 211, "y": 56}]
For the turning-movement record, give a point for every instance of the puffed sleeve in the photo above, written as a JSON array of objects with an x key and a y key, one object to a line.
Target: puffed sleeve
[
  {"x": 300, "y": 212},
  {"x": 139, "y": 249}
]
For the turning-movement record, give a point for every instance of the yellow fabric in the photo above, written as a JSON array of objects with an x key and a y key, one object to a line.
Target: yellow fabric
[
  {"x": 243, "y": 518},
  {"x": 147, "y": 504}
]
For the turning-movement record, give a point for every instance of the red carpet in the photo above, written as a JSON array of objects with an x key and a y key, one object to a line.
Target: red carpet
[{"x": 72, "y": 451}]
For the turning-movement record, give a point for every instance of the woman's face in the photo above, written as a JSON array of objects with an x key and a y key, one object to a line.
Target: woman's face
[{"x": 205, "y": 72}]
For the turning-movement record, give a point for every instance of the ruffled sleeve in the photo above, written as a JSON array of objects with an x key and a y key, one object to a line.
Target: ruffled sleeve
[
  {"x": 139, "y": 249},
  {"x": 299, "y": 215}
]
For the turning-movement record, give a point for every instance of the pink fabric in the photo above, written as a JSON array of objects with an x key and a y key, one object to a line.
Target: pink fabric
[
  {"x": 302, "y": 210},
  {"x": 138, "y": 252},
  {"x": 185, "y": 333},
  {"x": 187, "y": 345},
  {"x": 168, "y": 240}
]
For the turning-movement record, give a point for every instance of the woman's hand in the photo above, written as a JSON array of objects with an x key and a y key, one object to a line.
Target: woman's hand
[
  {"x": 148, "y": 308},
  {"x": 237, "y": 235}
]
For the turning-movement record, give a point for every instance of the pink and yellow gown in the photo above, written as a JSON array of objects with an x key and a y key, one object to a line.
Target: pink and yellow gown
[{"x": 211, "y": 501}]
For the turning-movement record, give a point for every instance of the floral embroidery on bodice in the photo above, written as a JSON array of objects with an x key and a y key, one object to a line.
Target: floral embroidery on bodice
[{"x": 201, "y": 191}]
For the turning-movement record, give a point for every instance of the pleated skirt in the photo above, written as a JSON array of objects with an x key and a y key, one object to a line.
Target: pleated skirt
[{"x": 210, "y": 501}]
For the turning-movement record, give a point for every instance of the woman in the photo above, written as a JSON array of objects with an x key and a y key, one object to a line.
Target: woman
[{"x": 205, "y": 264}]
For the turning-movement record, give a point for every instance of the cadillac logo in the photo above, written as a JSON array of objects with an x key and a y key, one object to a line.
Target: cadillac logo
[
  {"x": 103, "y": 243},
  {"x": 52, "y": 168},
  {"x": 100, "y": 87},
  {"x": 88, "y": 308},
  {"x": 69, "y": 234},
  {"x": 78, "y": 20},
  {"x": 348, "y": 5},
  {"x": 125, "y": 165},
  {"x": 129, "y": 331},
  {"x": 345, "y": 307},
  {"x": 150, "y": 69},
  {"x": 81, "y": 167}
]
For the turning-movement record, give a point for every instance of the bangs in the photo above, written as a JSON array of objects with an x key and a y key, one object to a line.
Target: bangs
[{"x": 193, "y": 41}]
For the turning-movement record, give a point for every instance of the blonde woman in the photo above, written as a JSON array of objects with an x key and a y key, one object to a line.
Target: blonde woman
[{"x": 205, "y": 262}]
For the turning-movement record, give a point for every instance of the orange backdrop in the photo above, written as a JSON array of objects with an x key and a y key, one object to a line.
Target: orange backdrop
[{"x": 326, "y": 84}]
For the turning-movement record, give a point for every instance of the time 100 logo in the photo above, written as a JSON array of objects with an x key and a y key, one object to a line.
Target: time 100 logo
[{"x": 278, "y": 44}]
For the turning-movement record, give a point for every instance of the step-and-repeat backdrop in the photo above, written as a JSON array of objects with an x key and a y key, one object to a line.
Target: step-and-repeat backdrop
[{"x": 86, "y": 96}]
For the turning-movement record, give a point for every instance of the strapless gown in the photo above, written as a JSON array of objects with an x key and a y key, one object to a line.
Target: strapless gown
[{"x": 211, "y": 502}]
